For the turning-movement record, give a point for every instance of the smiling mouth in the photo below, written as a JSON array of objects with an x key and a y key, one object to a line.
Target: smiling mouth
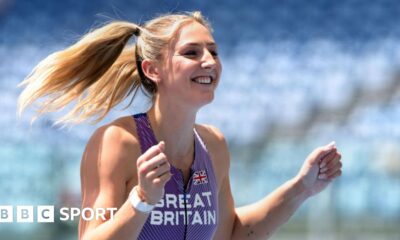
[{"x": 203, "y": 80}]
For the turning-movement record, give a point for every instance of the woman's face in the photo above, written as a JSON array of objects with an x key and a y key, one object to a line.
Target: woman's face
[{"x": 191, "y": 68}]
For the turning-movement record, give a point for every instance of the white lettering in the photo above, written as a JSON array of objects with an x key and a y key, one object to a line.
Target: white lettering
[
  {"x": 171, "y": 200},
  {"x": 179, "y": 206},
  {"x": 48, "y": 217},
  {"x": 45, "y": 213},
  {"x": 64, "y": 214},
  {"x": 156, "y": 217},
  {"x": 112, "y": 212},
  {"x": 196, "y": 218},
  {"x": 84, "y": 215},
  {"x": 181, "y": 201},
  {"x": 208, "y": 195},
  {"x": 6, "y": 214},
  {"x": 177, "y": 218},
  {"x": 24, "y": 213},
  {"x": 183, "y": 216},
  {"x": 188, "y": 215},
  {"x": 211, "y": 217},
  {"x": 198, "y": 201},
  {"x": 100, "y": 213},
  {"x": 191, "y": 218},
  {"x": 169, "y": 217},
  {"x": 75, "y": 212}
]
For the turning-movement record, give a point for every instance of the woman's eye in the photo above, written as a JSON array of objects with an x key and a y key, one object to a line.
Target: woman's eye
[
  {"x": 197, "y": 53},
  {"x": 190, "y": 53},
  {"x": 214, "y": 53}
]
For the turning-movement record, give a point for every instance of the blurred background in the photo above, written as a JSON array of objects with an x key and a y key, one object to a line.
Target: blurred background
[{"x": 297, "y": 75}]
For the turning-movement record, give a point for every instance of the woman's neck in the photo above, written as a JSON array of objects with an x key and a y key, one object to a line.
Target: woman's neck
[{"x": 174, "y": 126}]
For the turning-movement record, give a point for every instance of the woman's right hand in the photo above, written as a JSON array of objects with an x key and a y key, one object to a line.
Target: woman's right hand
[{"x": 153, "y": 173}]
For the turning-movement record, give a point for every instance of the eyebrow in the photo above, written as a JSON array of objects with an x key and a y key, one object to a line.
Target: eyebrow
[{"x": 198, "y": 44}]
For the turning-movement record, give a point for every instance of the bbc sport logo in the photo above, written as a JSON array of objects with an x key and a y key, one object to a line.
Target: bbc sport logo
[{"x": 46, "y": 214}]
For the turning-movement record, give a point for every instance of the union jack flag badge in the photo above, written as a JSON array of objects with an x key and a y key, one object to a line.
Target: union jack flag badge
[{"x": 200, "y": 177}]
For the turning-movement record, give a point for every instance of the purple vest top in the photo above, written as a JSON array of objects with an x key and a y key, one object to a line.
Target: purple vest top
[{"x": 185, "y": 212}]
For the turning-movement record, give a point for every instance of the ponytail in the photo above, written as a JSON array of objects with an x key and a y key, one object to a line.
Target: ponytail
[
  {"x": 97, "y": 71},
  {"x": 100, "y": 71}
]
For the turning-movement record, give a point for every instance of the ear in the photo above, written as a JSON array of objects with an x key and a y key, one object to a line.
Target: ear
[{"x": 151, "y": 70}]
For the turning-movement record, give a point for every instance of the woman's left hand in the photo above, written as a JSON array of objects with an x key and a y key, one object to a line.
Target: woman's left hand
[{"x": 320, "y": 168}]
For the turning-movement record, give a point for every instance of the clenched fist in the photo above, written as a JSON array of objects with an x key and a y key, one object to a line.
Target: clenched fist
[
  {"x": 321, "y": 167},
  {"x": 153, "y": 173}
]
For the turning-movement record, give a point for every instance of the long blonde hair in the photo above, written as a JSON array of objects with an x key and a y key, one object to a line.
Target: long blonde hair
[{"x": 100, "y": 70}]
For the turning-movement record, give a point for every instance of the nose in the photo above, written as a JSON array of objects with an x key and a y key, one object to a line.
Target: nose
[{"x": 208, "y": 60}]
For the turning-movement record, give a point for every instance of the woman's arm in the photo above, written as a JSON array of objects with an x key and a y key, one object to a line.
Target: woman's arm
[
  {"x": 108, "y": 172},
  {"x": 259, "y": 220}
]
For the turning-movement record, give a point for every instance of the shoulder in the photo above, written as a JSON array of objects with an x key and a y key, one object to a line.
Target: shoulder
[
  {"x": 121, "y": 131},
  {"x": 213, "y": 138},
  {"x": 113, "y": 148},
  {"x": 119, "y": 134},
  {"x": 217, "y": 148}
]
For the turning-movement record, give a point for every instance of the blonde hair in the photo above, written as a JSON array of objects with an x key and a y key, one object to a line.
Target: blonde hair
[{"x": 100, "y": 71}]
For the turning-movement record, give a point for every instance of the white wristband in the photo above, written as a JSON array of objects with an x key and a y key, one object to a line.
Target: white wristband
[{"x": 138, "y": 203}]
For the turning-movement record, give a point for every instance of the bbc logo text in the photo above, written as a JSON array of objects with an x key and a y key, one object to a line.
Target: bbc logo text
[{"x": 46, "y": 214}]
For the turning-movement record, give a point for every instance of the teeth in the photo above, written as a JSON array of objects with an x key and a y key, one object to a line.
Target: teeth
[{"x": 203, "y": 80}]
